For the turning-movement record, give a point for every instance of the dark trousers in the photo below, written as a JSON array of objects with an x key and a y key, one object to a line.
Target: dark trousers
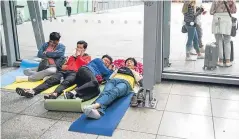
[
  {"x": 44, "y": 14},
  {"x": 69, "y": 80},
  {"x": 87, "y": 85},
  {"x": 68, "y": 11}
]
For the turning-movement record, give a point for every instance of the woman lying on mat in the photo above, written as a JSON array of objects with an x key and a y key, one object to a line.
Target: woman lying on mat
[
  {"x": 89, "y": 77},
  {"x": 121, "y": 84},
  {"x": 52, "y": 55}
]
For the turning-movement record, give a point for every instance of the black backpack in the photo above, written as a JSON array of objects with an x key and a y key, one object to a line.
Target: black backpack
[{"x": 125, "y": 70}]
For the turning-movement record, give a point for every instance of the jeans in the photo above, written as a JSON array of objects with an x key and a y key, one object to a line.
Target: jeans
[
  {"x": 114, "y": 89},
  {"x": 69, "y": 80},
  {"x": 220, "y": 38},
  {"x": 87, "y": 85},
  {"x": 200, "y": 33},
  {"x": 192, "y": 39}
]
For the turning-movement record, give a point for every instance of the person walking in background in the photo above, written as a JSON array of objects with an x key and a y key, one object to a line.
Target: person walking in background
[
  {"x": 52, "y": 9},
  {"x": 189, "y": 12},
  {"x": 221, "y": 28},
  {"x": 44, "y": 7},
  {"x": 68, "y": 7}
]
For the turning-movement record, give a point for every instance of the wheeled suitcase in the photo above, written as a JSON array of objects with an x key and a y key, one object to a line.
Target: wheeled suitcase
[
  {"x": 211, "y": 56},
  {"x": 232, "y": 53}
]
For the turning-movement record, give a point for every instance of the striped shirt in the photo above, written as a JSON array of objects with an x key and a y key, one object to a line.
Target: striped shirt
[{"x": 191, "y": 15}]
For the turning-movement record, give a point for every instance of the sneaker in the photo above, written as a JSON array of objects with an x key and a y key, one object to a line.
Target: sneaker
[
  {"x": 202, "y": 50},
  {"x": 28, "y": 93},
  {"x": 192, "y": 52},
  {"x": 69, "y": 95},
  {"x": 220, "y": 64},
  {"x": 21, "y": 79},
  {"x": 201, "y": 56},
  {"x": 228, "y": 64},
  {"x": 90, "y": 112}
]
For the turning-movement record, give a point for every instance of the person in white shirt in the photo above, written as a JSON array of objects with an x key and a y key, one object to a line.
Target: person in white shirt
[
  {"x": 44, "y": 7},
  {"x": 68, "y": 7},
  {"x": 52, "y": 9}
]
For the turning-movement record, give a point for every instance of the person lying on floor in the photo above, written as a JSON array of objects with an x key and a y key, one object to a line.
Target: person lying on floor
[
  {"x": 121, "y": 84},
  {"x": 89, "y": 77},
  {"x": 68, "y": 73},
  {"x": 53, "y": 52}
]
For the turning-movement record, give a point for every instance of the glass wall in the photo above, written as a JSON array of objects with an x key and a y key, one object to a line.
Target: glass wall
[
  {"x": 109, "y": 27},
  {"x": 178, "y": 62}
]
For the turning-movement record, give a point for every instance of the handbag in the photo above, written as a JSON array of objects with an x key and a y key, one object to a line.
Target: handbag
[
  {"x": 234, "y": 22},
  {"x": 44, "y": 64},
  {"x": 184, "y": 29}
]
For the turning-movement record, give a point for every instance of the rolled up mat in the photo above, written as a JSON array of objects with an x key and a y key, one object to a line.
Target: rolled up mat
[
  {"x": 68, "y": 105},
  {"x": 10, "y": 77},
  {"x": 106, "y": 124}
]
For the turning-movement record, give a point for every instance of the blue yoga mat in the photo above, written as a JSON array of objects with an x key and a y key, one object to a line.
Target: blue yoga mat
[
  {"x": 10, "y": 77},
  {"x": 106, "y": 124}
]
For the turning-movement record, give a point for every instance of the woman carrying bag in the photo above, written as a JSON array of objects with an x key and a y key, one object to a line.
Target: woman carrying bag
[{"x": 222, "y": 28}]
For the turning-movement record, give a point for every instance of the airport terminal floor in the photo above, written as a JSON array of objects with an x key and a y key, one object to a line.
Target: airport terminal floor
[{"x": 192, "y": 102}]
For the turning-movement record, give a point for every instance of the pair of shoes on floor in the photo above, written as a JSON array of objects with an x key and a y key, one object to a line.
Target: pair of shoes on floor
[
  {"x": 221, "y": 64},
  {"x": 70, "y": 95}
]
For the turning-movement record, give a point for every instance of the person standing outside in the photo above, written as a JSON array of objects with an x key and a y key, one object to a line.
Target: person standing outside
[
  {"x": 44, "y": 6},
  {"x": 52, "y": 9},
  {"x": 68, "y": 7}
]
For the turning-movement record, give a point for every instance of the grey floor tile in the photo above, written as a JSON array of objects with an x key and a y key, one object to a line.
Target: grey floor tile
[
  {"x": 166, "y": 137},
  {"x": 12, "y": 102},
  {"x": 60, "y": 131},
  {"x": 71, "y": 117},
  {"x": 190, "y": 105},
  {"x": 23, "y": 126},
  {"x": 186, "y": 126},
  {"x": 141, "y": 120},
  {"x": 124, "y": 134},
  {"x": 164, "y": 87},
  {"x": 162, "y": 101},
  {"x": 226, "y": 128},
  {"x": 6, "y": 116},
  {"x": 38, "y": 109},
  {"x": 225, "y": 108},
  {"x": 224, "y": 92},
  {"x": 190, "y": 89}
]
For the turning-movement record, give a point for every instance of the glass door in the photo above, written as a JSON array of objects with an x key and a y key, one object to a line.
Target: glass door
[{"x": 176, "y": 46}]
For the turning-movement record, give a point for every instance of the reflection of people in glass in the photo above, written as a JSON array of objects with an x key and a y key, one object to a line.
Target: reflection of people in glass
[
  {"x": 44, "y": 7},
  {"x": 189, "y": 11},
  {"x": 221, "y": 27},
  {"x": 52, "y": 9}
]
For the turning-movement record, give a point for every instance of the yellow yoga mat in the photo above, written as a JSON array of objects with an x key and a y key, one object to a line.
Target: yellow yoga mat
[{"x": 30, "y": 85}]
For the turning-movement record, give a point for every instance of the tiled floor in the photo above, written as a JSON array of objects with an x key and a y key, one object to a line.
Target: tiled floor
[{"x": 184, "y": 111}]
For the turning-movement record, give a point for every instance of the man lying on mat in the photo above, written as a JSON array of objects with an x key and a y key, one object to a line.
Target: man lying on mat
[
  {"x": 89, "y": 77},
  {"x": 68, "y": 73},
  {"x": 53, "y": 52},
  {"x": 121, "y": 84}
]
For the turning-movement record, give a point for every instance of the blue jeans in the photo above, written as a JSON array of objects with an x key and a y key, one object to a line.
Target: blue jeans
[
  {"x": 114, "y": 89},
  {"x": 192, "y": 38}
]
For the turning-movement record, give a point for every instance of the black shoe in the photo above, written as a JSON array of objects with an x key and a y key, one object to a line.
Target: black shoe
[
  {"x": 51, "y": 96},
  {"x": 68, "y": 95}
]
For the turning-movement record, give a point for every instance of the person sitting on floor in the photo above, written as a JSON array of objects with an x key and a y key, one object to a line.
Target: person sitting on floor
[
  {"x": 89, "y": 77},
  {"x": 121, "y": 84},
  {"x": 53, "y": 52},
  {"x": 68, "y": 73}
]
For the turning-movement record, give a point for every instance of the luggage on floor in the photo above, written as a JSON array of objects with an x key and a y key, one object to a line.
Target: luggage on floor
[
  {"x": 232, "y": 53},
  {"x": 211, "y": 56}
]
